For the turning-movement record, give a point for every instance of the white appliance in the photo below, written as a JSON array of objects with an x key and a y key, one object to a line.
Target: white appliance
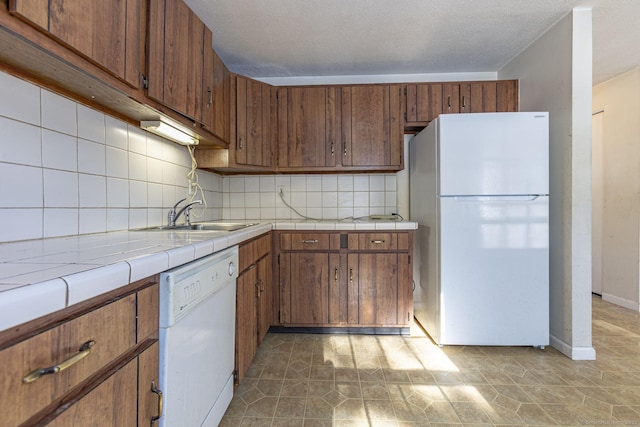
[
  {"x": 479, "y": 190},
  {"x": 197, "y": 339}
]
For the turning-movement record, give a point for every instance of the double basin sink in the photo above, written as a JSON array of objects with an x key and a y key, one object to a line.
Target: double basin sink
[{"x": 201, "y": 226}]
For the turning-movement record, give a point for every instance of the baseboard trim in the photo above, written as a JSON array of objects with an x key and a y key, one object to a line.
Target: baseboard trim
[
  {"x": 339, "y": 330},
  {"x": 622, "y": 302},
  {"x": 574, "y": 353}
]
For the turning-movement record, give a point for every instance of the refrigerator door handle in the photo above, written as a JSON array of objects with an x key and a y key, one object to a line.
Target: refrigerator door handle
[{"x": 506, "y": 198}]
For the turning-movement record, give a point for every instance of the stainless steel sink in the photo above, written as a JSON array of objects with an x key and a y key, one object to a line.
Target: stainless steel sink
[{"x": 201, "y": 226}]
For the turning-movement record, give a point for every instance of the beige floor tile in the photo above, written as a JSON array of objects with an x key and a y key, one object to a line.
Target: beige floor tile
[{"x": 357, "y": 380}]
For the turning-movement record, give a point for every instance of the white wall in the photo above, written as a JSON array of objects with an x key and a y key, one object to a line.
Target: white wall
[
  {"x": 555, "y": 76},
  {"x": 620, "y": 252},
  {"x": 66, "y": 169}
]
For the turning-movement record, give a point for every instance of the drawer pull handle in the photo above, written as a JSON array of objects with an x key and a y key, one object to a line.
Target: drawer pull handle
[
  {"x": 310, "y": 241},
  {"x": 83, "y": 352},
  {"x": 157, "y": 391},
  {"x": 351, "y": 275},
  {"x": 377, "y": 242},
  {"x": 336, "y": 274}
]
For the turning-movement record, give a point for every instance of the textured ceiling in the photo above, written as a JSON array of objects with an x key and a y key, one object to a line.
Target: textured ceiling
[{"x": 284, "y": 38}]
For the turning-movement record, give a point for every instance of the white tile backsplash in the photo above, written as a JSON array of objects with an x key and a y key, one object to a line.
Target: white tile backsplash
[
  {"x": 91, "y": 124},
  {"x": 21, "y": 186},
  {"x": 59, "y": 113},
  {"x": 83, "y": 171},
  {"x": 60, "y": 189},
  {"x": 59, "y": 151},
  {"x": 317, "y": 196},
  {"x": 22, "y": 142},
  {"x": 91, "y": 157},
  {"x": 19, "y": 100},
  {"x": 116, "y": 134},
  {"x": 117, "y": 162}
]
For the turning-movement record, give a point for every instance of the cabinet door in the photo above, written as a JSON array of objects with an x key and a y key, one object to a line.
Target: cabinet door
[
  {"x": 265, "y": 301},
  {"x": 507, "y": 96},
  {"x": 106, "y": 32},
  {"x": 246, "y": 320},
  {"x": 309, "y": 131},
  {"x": 112, "y": 403},
  {"x": 304, "y": 278},
  {"x": 148, "y": 385},
  {"x": 221, "y": 109},
  {"x": 377, "y": 289},
  {"x": 450, "y": 98},
  {"x": 371, "y": 131},
  {"x": 255, "y": 122},
  {"x": 423, "y": 102},
  {"x": 176, "y": 57}
]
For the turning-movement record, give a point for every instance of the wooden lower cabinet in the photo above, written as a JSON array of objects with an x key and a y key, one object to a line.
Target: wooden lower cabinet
[
  {"x": 254, "y": 300},
  {"x": 361, "y": 279},
  {"x": 112, "y": 341}
]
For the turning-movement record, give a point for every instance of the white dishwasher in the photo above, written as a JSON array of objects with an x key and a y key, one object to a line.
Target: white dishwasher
[{"x": 197, "y": 339}]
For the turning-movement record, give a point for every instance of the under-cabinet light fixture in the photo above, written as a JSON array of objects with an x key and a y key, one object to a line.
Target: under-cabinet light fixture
[{"x": 169, "y": 131}]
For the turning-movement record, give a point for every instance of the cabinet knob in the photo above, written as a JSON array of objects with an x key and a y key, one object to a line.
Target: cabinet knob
[
  {"x": 240, "y": 145},
  {"x": 83, "y": 352}
]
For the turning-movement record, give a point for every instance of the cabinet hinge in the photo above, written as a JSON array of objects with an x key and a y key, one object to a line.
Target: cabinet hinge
[{"x": 145, "y": 82}]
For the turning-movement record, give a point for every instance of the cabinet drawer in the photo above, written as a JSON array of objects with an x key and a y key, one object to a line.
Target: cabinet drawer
[
  {"x": 373, "y": 242},
  {"x": 111, "y": 327},
  {"x": 306, "y": 241},
  {"x": 250, "y": 252}
]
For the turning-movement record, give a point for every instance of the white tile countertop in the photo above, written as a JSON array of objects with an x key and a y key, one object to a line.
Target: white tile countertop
[{"x": 39, "y": 277}]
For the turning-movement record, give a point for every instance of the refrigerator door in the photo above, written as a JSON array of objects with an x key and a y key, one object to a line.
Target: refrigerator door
[
  {"x": 494, "y": 254},
  {"x": 494, "y": 153}
]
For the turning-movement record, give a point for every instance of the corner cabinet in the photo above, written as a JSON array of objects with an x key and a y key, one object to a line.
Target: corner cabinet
[
  {"x": 107, "y": 349},
  {"x": 345, "y": 279},
  {"x": 254, "y": 300},
  {"x": 254, "y": 133}
]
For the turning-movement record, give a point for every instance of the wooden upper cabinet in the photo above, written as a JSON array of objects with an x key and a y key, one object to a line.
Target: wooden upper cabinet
[
  {"x": 308, "y": 135},
  {"x": 507, "y": 95},
  {"x": 176, "y": 57},
  {"x": 450, "y": 98},
  {"x": 371, "y": 130},
  {"x": 255, "y": 122},
  {"x": 423, "y": 102},
  {"x": 220, "y": 97},
  {"x": 109, "y": 33}
]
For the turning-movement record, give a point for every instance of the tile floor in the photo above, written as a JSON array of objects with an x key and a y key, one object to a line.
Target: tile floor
[{"x": 354, "y": 380}]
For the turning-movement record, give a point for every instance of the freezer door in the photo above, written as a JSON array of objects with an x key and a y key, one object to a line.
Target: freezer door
[
  {"x": 494, "y": 254},
  {"x": 494, "y": 153}
]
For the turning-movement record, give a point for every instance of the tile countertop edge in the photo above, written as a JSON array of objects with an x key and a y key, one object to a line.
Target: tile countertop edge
[{"x": 29, "y": 302}]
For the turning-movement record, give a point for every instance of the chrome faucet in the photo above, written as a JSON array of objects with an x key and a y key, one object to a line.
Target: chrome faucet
[{"x": 173, "y": 215}]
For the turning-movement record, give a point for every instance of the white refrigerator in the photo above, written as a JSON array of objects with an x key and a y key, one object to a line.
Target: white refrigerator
[{"x": 479, "y": 190}]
